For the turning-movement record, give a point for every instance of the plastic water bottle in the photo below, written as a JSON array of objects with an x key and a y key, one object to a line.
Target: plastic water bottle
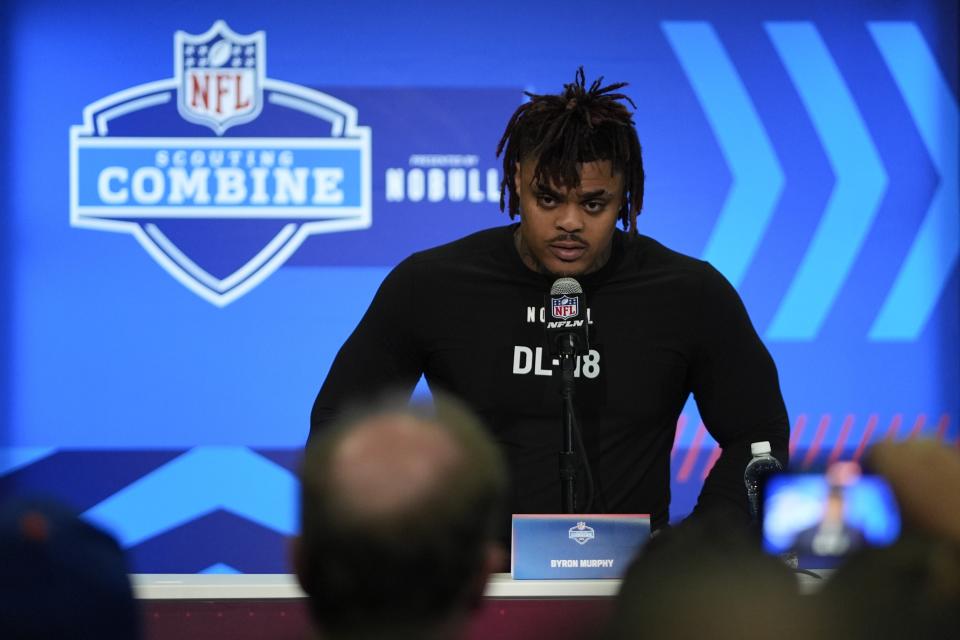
[{"x": 762, "y": 465}]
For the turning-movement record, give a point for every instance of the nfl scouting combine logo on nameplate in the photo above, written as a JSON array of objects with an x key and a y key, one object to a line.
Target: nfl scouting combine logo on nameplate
[
  {"x": 220, "y": 172},
  {"x": 581, "y": 533}
]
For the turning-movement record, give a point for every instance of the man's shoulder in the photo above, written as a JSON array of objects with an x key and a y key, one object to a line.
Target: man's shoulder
[
  {"x": 649, "y": 264},
  {"x": 651, "y": 255}
]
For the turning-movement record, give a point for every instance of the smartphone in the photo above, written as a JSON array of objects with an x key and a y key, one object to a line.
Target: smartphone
[{"x": 823, "y": 518}]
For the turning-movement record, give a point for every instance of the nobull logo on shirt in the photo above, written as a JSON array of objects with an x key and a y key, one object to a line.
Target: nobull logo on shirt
[{"x": 220, "y": 172}]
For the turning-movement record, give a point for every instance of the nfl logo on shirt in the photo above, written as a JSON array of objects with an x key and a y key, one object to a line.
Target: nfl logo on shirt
[
  {"x": 221, "y": 76},
  {"x": 565, "y": 307}
]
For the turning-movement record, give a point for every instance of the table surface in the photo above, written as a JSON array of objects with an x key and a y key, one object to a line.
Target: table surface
[{"x": 258, "y": 586}]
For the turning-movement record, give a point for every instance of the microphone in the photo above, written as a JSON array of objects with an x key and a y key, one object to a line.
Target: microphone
[
  {"x": 566, "y": 326},
  {"x": 566, "y": 316}
]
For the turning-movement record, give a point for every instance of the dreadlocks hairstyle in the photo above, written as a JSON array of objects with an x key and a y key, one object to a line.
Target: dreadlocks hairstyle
[{"x": 563, "y": 131}]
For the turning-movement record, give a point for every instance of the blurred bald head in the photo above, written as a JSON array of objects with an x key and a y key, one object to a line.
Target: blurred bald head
[
  {"x": 398, "y": 510},
  {"x": 392, "y": 462}
]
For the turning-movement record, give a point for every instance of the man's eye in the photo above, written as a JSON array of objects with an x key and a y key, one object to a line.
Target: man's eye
[
  {"x": 546, "y": 201},
  {"x": 594, "y": 206}
]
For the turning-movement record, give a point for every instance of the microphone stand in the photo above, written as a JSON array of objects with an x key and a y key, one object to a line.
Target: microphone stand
[{"x": 568, "y": 457}]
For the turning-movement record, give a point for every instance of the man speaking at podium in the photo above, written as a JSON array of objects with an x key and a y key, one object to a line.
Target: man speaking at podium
[{"x": 470, "y": 317}]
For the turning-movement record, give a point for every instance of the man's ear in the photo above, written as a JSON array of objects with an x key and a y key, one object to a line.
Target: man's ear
[{"x": 516, "y": 178}]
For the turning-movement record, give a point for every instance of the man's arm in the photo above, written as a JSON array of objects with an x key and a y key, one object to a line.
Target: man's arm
[
  {"x": 737, "y": 390},
  {"x": 384, "y": 353}
]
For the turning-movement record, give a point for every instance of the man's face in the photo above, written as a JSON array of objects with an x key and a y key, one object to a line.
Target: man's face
[{"x": 568, "y": 232}]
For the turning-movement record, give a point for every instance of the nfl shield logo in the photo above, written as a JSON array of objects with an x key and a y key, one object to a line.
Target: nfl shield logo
[
  {"x": 220, "y": 76},
  {"x": 565, "y": 307}
]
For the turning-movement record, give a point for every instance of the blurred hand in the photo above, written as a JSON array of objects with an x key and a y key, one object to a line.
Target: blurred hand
[{"x": 925, "y": 475}]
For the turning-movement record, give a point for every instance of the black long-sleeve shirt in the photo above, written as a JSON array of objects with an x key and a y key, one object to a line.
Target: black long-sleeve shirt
[{"x": 467, "y": 315}]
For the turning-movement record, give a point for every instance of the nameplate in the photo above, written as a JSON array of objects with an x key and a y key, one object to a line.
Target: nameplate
[{"x": 572, "y": 547}]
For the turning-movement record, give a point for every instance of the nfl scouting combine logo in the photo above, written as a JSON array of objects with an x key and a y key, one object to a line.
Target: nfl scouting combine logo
[
  {"x": 220, "y": 172},
  {"x": 581, "y": 533}
]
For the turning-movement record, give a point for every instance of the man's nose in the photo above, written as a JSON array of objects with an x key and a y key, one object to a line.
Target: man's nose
[{"x": 570, "y": 218}]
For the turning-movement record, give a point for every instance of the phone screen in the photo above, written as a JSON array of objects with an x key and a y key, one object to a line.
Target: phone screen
[{"x": 825, "y": 517}]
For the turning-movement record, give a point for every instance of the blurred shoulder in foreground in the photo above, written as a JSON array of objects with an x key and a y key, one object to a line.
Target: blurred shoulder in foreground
[{"x": 62, "y": 577}]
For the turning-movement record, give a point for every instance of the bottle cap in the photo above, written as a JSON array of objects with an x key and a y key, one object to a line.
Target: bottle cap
[{"x": 760, "y": 448}]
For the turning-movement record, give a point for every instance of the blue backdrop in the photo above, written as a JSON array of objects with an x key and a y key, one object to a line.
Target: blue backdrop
[{"x": 166, "y": 330}]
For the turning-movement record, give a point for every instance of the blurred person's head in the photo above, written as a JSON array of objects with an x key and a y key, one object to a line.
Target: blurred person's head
[
  {"x": 61, "y": 576},
  {"x": 924, "y": 475},
  {"x": 706, "y": 578},
  {"x": 912, "y": 588},
  {"x": 908, "y": 590},
  {"x": 835, "y": 506},
  {"x": 398, "y": 517}
]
